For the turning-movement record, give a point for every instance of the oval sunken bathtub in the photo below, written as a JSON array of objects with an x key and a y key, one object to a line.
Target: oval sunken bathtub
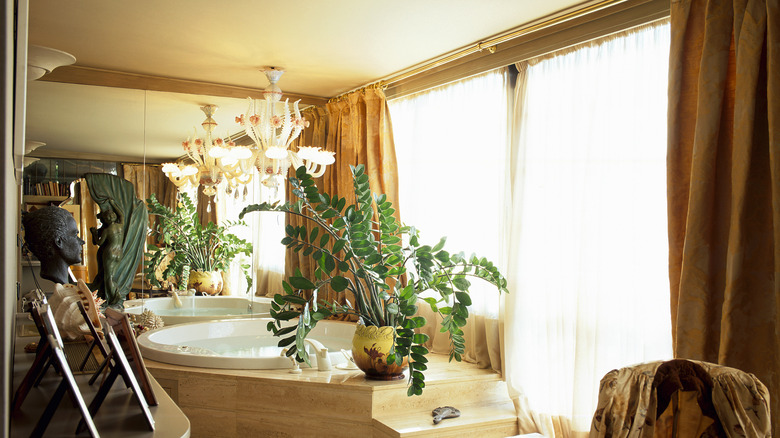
[
  {"x": 244, "y": 344},
  {"x": 201, "y": 308}
]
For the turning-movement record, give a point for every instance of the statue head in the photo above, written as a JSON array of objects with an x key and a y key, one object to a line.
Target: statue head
[
  {"x": 52, "y": 236},
  {"x": 108, "y": 216}
]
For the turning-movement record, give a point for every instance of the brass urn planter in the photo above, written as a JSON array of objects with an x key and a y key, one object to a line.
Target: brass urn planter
[
  {"x": 370, "y": 347},
  {"x": 208, "y": 282}
]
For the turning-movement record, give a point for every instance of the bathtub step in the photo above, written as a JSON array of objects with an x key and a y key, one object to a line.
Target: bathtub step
[
  {"x": 476, "y": 421},
  {"x": 445, "y": 385}
]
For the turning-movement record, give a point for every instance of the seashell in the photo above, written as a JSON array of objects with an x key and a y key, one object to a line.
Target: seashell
[
  {"x": 149, "y": 320},
  {"x": 66, "y": 312}
]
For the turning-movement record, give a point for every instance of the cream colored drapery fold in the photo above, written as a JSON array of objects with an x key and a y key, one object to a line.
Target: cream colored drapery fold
[
  {"x": 724, "y": 185},
  {"x": 587, "y": 259},
  {"x": 458, "y": 116}
]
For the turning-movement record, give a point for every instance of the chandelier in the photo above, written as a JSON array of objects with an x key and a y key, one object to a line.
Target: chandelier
[
  {"x": 212, "y": 161},
  {"x": 272, "y": 126}
]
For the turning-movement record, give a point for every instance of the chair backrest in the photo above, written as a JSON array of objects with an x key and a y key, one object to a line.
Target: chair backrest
[{"x": 681, "y": 398}]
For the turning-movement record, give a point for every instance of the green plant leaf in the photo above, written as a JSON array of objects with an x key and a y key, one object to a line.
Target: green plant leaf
[
  {"x": 294, "y": 299},
  {"x": 420, "y": 338},
  {"x": 463, "y": 298},
  {"x": 329, "y": 262},
  {"x": 301, "y": 283},
  {"x": 324, "y": 239},
  {"x": 461, "y": 284},
  {"x": 287, "y": 315},
  {"x": 339, "y": 283}
]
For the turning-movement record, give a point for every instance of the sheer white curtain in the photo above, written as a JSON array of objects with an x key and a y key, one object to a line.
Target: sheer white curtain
[
  {"x": 450, "y": 144},
  {"x": 587, "y": 256},
  {"x": 265, "y": 231}
]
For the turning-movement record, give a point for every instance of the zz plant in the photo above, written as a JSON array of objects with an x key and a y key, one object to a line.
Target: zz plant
[
  {"x": 362, "y": 249},
  {"x": 209, "y": 247}
]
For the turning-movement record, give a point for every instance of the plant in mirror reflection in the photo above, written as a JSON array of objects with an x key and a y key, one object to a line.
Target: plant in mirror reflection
[{"x": 185, "y": 242}]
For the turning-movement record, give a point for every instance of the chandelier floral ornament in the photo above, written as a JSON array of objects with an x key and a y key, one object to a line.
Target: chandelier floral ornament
[
  {"x": 273, "y": 126},
  {"x": 212, "y": 161}
]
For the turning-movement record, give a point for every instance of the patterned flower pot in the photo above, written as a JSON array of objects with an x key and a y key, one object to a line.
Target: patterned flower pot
[
  {"x": 209, "y": 282},
  {"x": 370, "y": 347}
]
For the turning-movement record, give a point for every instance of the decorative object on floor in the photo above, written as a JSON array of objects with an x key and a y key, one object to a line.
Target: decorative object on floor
[
  {"x": 443, "y": 413},
  {"x": 147, "y": 320},
  {"x": 64, "y": 306},
  {"x": 369, "y": 259},
  {"x": 273, "y": 129},
  {"x": 187, "y": 243},
  {"x": 122, "y": 249},
  {"x": 212, "y": 161},
  {"x": 32, "y": 347}
]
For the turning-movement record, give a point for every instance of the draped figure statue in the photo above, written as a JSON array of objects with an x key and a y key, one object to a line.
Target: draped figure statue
[{"x": 120, "y": 238}]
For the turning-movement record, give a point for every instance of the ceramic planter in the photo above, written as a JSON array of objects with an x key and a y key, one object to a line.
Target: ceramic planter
[
  {"x": 370, "y": 347},
  {"x": 209, "y": 282}
]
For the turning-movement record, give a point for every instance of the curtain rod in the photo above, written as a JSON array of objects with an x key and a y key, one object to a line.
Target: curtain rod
[{"x": 489, "y": 45}]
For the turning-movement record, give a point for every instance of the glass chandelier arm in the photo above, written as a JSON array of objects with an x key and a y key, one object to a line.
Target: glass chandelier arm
[
  {"x": 284, "y": 136},
  {"x": 178, "y": 177},
  {"x": 295, "y": 125},
  {"x": 315, "y": 173}
]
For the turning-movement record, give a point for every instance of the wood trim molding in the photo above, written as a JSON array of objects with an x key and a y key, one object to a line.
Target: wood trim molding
[
  {"x": 75, "y": 155},
  {"x": 83, "y": 75},
  {"x": 603, "y": 22}
]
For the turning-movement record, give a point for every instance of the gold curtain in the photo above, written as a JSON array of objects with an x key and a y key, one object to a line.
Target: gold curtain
[
  {"x": 149, "y": 179},
  {"x": 357, "y": 128},
  {"x": 360, "y": 132},
  {"x": 314, "y": 135},
  {"x": 724, "y": 185}
]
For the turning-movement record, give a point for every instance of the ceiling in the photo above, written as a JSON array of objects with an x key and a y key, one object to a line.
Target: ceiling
[{"x": 326, "y": 47}]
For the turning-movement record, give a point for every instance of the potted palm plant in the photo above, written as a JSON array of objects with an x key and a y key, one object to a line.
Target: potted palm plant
[
  {"x": 362, "y": 249},
  {"x": 195, "y": 254}
]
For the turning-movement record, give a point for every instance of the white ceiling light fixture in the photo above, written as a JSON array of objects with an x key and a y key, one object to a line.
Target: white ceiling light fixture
[
  {"x": 29, "y": 147},
  {"x": 273, "y": 126},
  {"x": 212, "y": 161},
  {"x": 42, "y": 60}
]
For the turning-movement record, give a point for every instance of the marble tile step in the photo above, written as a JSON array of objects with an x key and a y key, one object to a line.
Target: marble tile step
[
  {"x": 482, "y": 389},
  {"x": 476, "y": 421}
]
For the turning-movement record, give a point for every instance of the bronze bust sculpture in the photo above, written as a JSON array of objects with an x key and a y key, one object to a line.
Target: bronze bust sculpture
[{"x": 52, "y": 235}]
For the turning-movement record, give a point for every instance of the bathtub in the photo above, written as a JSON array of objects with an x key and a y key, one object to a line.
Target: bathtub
[
  {"x": 243, "y": 344},
  {"x": 201, "y": 308}
]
